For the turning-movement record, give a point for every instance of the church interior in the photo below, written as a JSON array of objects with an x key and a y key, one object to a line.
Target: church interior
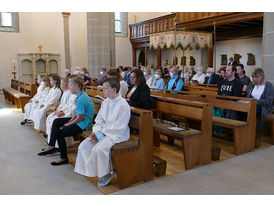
[{"x": 156, "y": 160}]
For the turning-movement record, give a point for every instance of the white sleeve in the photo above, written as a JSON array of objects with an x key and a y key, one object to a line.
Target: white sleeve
[
  {"x": 99, "y": 121},
  {"x": 54, "y": 98}
]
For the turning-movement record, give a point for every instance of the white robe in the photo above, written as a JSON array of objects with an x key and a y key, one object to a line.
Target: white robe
[
  {"x": 112, "y": 120},
  {"x": 39, "y": 114},
  {"x": 68, "y": 106},
  {"x": 123, "y": 88},
  {"x": 39, "y": 96}
]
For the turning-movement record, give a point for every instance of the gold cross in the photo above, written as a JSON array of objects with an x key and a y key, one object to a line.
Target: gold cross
[{"x": 40, "y": 47}]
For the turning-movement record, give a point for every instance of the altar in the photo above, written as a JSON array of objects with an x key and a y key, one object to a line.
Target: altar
[{"x": 32, "y": 65}]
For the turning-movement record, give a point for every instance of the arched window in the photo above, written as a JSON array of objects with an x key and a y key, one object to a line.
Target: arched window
[
  {"x": 120, "y": 25},
  {"x": 9, "y": 21}
]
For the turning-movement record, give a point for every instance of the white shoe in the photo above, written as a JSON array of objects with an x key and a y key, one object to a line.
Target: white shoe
[{"x": 103, "y": 181}]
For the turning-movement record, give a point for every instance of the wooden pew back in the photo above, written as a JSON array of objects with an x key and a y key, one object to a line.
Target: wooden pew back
[
  {"x": 197, "y": 148},
  {"x": 240, "y": 104},
  {"x": 133, "y": 162},
  {"x": 15, "y": 84}
]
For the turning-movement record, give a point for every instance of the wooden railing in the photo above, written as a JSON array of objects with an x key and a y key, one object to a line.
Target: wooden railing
[
  {"x": 186, "y": 21},
  {"x": 160, "y": 24},
  {"x": 183, "y": 17}
]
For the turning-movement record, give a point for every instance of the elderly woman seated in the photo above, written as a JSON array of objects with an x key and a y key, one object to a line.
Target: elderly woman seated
[
  {"x": 262, "y": 91},
  {"x": 158, "y": 82}
]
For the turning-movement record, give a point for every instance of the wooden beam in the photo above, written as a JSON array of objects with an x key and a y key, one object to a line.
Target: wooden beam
[
  {"x": 240, "y": 33},
  {"x": 159, "y": 57},
  {"x": 219, "y": 20},
  {"x": 133, "y": 57}
]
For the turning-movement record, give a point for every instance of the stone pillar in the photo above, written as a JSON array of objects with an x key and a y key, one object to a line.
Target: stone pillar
[
  {"x": 204, "y": 58},
  {"x": 268, "y": 47},
  {"x": 66, "y": 39},
  {"x": 101, "y": 41}
]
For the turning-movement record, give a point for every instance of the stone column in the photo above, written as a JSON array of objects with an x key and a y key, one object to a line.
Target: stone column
[
  {"x": 66, "y": 39},
  {"x": 268, "y": 47},
  {"x": 101, "y": 41},
  {"x": 204, "y": 58}
]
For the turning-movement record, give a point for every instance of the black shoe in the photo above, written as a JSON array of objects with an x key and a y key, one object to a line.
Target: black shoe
[
  {"x": 51, "y": 151},
  {"x": 60, "y": 163},
  {"x": 45, "y": 136},
  {"x": 23, "y": 122}
]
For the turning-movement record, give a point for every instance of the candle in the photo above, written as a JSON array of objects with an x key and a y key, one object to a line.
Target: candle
[{"x": 13, "y": 62}]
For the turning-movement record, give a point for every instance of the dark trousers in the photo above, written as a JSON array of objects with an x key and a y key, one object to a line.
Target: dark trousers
[{"x": 58, "y": 133}]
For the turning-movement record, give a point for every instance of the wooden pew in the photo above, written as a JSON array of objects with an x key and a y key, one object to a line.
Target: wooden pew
[
  {"x": 133, "y": 159},
  {"x": 19, "y": 93},
  {"x": 196, "y": 143},
  {"x": 270, "y": 119},
  {"x": 244, "y": 132},
  {"x": 200, "y": 87}
]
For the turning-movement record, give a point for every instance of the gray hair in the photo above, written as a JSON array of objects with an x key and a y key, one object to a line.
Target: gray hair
[
  {"x": 258, "y": 72},
  {"x": 210, "y": 69}
]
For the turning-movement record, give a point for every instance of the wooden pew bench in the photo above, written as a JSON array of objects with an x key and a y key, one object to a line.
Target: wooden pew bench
[
  {"x": 133, "y": 159},
  {"x": 270, "y": 118},
  {"x": 19, "y": 93},
  {"x": 196, "y": 143},
  {"x": 244, "y": 132}
]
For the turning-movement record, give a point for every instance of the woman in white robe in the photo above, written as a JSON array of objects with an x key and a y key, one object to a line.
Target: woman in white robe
[
  {"x": 39, "y": 114},
  {"x": 67, "y": 108},
  {"x": 111, "y": 127},
  {"x": 42, "y": 92}
]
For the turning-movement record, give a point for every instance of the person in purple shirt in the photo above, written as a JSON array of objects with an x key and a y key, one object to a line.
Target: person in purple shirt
[{"x": 103, "y": 76}]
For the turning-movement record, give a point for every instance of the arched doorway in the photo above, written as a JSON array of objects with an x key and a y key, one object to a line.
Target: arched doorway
[{"x": 141, "y": 58}]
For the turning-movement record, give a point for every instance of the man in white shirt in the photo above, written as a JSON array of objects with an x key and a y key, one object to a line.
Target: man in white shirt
[{"x": 111, "y": 127}]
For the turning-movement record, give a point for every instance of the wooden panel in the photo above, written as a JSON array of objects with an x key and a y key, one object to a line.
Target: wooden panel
[
  {"x": 231, "y": 105},
  {"x": 219, "y": 121},
  {"x": 189, "y": 112}
]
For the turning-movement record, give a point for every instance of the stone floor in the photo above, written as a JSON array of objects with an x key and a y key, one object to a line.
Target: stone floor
[{"x": 23, "y": 172}]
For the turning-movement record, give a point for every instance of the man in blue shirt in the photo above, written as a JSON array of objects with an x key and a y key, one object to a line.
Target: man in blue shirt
[
  {"x": 175, "y": 82},
  {"x": 66, "y": 127}
]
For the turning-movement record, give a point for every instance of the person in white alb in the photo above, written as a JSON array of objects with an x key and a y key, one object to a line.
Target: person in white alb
[
  {"x": 111, "y": 127},
  {"x": 39, "y": 114},
  {"x": 115, "y": 73},
  {"x": 67, "y": 107},
  {"x": 42, "y": 92}
]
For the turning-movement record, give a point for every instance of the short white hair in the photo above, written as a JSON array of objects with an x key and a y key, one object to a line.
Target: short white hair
[
  {"x": 200, "y": 68},
  {"x": 210, "y": 69},
  {"x": 77, "y": 68},
  {"x": 67, "y": 70}
]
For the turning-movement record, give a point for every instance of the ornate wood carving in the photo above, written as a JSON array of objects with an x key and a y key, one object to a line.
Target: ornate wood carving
[
  {"x": 250, "y": 59},
  {"x": 183, "y": 60},
  {"x": 192, "y": 61},
  {"x": 237, "y": 58},
  {"x": 223, "y": 59}
]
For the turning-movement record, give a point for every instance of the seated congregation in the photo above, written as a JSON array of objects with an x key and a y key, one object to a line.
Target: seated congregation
[{"x": 63, "y": 108}]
